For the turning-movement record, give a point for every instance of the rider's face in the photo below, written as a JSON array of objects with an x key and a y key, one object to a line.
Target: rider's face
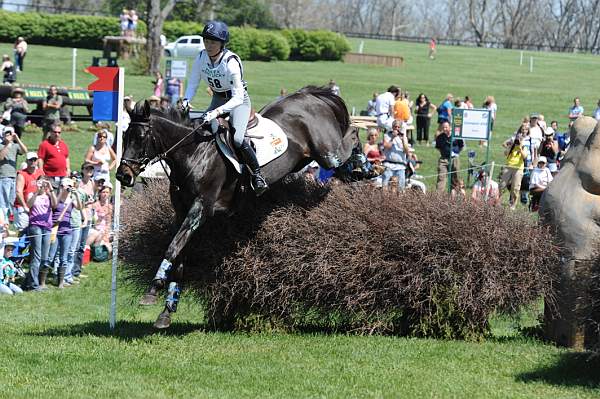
[{"x": 213, "y": 47}]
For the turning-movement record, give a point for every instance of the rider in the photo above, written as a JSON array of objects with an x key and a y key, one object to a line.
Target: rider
[{"x": 223, "y": 72}]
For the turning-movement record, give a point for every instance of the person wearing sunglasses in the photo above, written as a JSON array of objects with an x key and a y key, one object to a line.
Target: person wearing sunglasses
[{"x": 53, "y": 157}]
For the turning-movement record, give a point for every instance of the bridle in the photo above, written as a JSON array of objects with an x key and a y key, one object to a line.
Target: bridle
[{"x": 148, "y": 138}]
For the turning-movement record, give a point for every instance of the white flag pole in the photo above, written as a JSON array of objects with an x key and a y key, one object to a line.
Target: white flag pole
[{"x": 117, "y": 211}]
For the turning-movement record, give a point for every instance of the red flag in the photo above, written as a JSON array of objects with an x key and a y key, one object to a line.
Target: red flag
[{"x": 108, "y": 78}]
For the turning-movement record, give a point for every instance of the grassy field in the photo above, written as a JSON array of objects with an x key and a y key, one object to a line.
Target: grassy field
[{"x": 57, "y": 343}]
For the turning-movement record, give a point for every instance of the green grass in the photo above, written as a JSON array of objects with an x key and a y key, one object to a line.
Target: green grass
[{"x": 57, "y": 343}]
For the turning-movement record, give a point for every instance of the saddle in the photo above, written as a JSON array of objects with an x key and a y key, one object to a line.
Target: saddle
[{"x": 266, "y": 138}]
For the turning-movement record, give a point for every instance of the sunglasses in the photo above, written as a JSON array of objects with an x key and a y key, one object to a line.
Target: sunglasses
[{"x": 57, "y": 131}]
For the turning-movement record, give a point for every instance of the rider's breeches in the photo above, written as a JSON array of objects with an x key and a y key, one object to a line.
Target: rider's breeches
[{"x": 238, "y": 117}]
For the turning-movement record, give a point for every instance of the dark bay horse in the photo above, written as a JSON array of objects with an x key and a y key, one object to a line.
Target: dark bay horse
[{"x": 203, "y": 182}]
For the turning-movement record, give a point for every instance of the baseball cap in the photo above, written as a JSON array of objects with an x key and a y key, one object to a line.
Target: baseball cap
[
  {"x": 534, "y": 115},
  {"x": 542, "y": 159},
  {"x": 107, "y": 184},
  {"x": 31, "y": 155},
  {"x": 10, "y": 242}
]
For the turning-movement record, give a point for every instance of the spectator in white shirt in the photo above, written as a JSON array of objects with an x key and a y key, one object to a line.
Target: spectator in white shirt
[
  {"x": 540, "y": 179},
  {"x": 384, "y": 106}
]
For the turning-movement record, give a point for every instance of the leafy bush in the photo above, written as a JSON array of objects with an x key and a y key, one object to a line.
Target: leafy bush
[
  {"x": 316, "y": 45},
  {"x": 254, "y": 44},
  {"x": 60, "y": 30},
  {"x": 175, "y": 29},
  {"x": 309, "y": 256}
]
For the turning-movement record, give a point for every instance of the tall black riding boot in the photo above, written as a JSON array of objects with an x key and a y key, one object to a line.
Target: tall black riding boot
[{"x": 259, "y": 184}]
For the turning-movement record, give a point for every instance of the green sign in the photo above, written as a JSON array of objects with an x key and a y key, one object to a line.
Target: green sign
[
  {"x": 471, "y": 124},
  {"x": 36, "y": 92},
  {"x": 78, "y": 94}
]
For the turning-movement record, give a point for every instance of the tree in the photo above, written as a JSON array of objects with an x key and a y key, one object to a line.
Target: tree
[
  {"x": 155, "y": 20},
  {"x": 246, "y": 12}
]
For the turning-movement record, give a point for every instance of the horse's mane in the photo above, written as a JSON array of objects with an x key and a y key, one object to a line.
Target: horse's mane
[
  {"x": 171, "y": 113},
  {"x": 335, "y": 102}
]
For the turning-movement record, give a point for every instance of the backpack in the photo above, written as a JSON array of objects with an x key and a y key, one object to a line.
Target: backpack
[{"x": 99, "y": 252}]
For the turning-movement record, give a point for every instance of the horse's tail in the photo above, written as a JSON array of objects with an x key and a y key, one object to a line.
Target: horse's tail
[{"x": 335, "y": 102}]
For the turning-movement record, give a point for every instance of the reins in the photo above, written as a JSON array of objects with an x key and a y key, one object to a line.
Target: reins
[{"x": 144, "y": 160}]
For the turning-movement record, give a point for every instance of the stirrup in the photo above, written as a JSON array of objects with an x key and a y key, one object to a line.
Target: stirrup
[{"x": 259, "y": 184}]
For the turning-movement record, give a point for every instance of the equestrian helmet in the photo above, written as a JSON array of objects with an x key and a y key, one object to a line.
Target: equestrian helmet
[{"x": 216, "y": 30}]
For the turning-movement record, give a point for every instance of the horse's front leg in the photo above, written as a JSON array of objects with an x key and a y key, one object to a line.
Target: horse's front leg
[{"x": 195, "y": 217}]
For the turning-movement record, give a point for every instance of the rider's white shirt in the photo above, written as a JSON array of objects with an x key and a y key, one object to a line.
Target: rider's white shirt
[{"x": 223, "y": 76}]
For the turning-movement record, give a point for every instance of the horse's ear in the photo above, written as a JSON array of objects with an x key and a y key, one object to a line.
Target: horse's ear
[{"x": 146, "y": 109}]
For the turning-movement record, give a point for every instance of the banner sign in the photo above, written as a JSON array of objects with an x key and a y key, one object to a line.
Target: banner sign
[
  {"x": 471, "y": 124},
  {"x": 176, "y": 69}
]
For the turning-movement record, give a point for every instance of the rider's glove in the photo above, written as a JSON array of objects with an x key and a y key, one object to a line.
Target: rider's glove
[
  {"x": 185, "y": 104},
  {"x": 210, "y": 115}
]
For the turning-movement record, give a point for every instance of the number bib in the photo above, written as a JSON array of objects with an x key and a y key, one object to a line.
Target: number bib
[{"x": 218, "y": 77}]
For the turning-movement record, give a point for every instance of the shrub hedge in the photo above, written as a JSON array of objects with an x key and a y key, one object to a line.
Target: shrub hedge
[
  {"x": 251, "y": 44},
  {"x": 60, "y": 29}
]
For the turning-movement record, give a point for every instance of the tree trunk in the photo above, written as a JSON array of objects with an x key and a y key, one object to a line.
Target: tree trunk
[{"x": 155, "y": 21}]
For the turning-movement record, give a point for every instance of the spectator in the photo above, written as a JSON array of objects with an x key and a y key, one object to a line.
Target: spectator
[
  {"x": 51, "y": 106},
  {"x": 20, "y": 49},
  {"x": 597, "y": 111},
  {"x": 424, "y": 109},
  {"x": 158, "y": 84},
  {"x": 371, "y": 105},
  {"x": 282, "y": 93},
  {"x": 576, "y": 110},
  {"x": 432, "y": 48},
  {"x": 396, "y": 149},
  {"x": 445, "y": 111},
  {"x": 124, "y": 21},
  {"x": 384, "y": 105},
  {"x": 540, "y": 178},
  {"x": 8, "y": 271},
  {"x": 19, "y": 109},
  {"x": 132, "y": 21},
  {"x": 536, "y": 133},
  {"x": 449, "y": 152},
  {"x": 154, "y": 102},
  {"x": 371, "y": 147},
  {"x": 513, "y": 171},
  {"x": 459, "y": 190},
  {"x": 40, "y": 203},
  {"x": 87, "y": 192},
  {"x": 562, "y": 138},
  {"x": 402, "y": 111},
  {"x": 10, "y": 76},
  {"x": 100, "y": 232},
  {"x": 61, "y": 216},
  {"x": 490, "y": 105},
  {"x": 26, "y": 184},
  {"x": 468, "y": 103},
  {"x": 174, "y": 90},
  {"x": 53, "y": 156},
  {"x": 485, "y": 189},
  {"x": 10, "y": 147},
  {"x": 101, "y": 156},
  {"x": 110, "y": 137},
  {"x": 335, "y": 89},
  {"x": 549, "y": 150}
]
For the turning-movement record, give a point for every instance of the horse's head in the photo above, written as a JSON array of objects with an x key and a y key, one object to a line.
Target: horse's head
[{"x": 138, "y": 146}]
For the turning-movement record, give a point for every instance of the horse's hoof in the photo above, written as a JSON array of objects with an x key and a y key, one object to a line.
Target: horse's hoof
[
  {"x": 163, "y": 321},
  {"x": 149, "y": 299}
]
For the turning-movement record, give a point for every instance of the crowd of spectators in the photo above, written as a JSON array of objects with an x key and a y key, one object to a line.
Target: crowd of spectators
[
  {"x": 58, "y": 212},
  {"x": 533, "y": 152}
]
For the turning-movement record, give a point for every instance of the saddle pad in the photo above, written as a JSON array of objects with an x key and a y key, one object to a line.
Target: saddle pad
[{"x": 268, "y": 138}]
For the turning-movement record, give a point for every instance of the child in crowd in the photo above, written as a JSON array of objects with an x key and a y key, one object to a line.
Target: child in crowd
[{"x": 8, "y": 271}]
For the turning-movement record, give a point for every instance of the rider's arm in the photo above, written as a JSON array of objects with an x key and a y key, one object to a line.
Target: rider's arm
[
  {"x": 237, "y": 88},
  {"x": 194, "y": 79}
]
